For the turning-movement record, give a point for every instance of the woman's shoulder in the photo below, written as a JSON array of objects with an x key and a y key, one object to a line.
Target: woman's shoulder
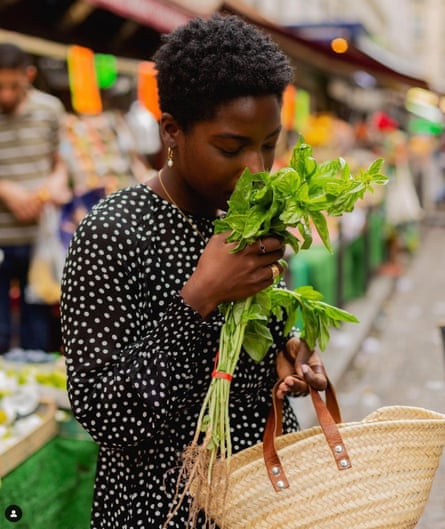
[
  {"x": 126, "y": 212},
  {"x": 132, "y": 201},
  {"x": 120, "y": 219}
]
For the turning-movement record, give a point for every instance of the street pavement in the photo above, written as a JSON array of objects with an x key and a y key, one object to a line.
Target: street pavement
[{"x": 395, "y": 355}]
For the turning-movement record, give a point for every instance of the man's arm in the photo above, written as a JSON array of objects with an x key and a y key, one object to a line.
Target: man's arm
[{"x": 56, "y": 186}]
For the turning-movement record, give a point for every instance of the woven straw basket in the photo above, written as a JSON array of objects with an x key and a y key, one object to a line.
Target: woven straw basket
[{"x": 373, "y": 474}]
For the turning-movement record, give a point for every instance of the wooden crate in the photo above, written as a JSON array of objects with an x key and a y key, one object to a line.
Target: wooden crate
[{"x": 35, "y": 439}]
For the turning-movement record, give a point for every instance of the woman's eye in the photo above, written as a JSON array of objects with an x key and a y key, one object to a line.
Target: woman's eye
[
  {"x": 229, "y": 152},
  {"x": 270, "y": 146}
]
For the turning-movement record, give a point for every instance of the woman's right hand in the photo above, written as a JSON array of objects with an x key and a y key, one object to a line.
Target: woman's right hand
[{"x": 224, "y": 276}]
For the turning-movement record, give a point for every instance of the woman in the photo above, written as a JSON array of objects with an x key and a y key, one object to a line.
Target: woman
[{"x": 144, "y": 277}]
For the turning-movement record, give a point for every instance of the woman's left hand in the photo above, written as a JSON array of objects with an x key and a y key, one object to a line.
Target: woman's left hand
[{"x": 298, "y": 368}]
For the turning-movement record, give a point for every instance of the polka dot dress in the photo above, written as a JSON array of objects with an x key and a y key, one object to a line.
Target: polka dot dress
[{"x": 139, "y": 359}]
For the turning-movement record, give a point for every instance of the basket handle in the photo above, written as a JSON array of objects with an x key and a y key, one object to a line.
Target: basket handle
[{"x": 328, "y": 415}]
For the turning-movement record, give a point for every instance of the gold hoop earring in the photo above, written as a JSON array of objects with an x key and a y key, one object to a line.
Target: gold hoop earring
[{"x": 170, "y": 156}]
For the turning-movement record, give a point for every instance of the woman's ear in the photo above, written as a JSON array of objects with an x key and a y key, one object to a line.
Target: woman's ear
[{"x": 169, "y": 130}]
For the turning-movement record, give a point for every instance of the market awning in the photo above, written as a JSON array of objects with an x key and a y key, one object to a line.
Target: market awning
[
  {"x": 132, "y": 28},
  {"x": 320, "y": 55},
  {"x": 162, "y": 16}
]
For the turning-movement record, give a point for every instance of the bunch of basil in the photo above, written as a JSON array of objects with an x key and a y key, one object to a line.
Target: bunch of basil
[{"x": 298, "y": 196}]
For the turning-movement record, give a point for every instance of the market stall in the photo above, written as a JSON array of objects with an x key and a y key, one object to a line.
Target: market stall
[{"x": 47, "y": 460}]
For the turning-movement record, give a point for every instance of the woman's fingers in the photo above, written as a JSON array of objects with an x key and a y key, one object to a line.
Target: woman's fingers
[
  {"x": 268, "y": 245},
  {"x": 284, "y": 367},
  {"x": 244, "y": 273},
  {"x": 290, "y": 382},
  {"x": 271, "y": 250},
  {"x": 298, "y": 368},
  {"x": 315, "y": 376}
]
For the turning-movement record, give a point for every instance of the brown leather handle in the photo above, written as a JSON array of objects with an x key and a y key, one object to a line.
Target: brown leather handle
[{"x": 328, "y": 415}]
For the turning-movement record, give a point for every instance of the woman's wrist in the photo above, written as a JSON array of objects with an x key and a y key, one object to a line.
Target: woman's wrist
[{"x": 197, "y": 300}]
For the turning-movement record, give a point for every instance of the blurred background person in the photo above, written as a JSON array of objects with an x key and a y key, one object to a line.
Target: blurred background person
[{"x": 31, "y": 174}]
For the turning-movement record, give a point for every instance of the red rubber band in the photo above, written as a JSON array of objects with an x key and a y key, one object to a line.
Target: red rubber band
[{"x": 223, "y": 375}]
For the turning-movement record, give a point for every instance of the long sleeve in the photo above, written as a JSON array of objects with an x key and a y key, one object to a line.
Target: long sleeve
[{"x": 133, "y": 347}]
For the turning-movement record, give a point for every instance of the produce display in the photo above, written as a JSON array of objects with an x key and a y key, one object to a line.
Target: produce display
[
  {"x": 18, "y": 402},
  {"x": 299, "y": 196},
  {"x": 23, "y": 385},
  {"x": 98, "y": 150}
]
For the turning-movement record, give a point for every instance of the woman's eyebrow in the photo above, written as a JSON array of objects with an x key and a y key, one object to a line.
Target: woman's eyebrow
[{"x": 240, "y": 137}]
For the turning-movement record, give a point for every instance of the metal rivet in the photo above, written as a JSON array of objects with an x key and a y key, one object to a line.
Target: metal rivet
[
  {"x": 281, "y": 484},
  {"x": 276, "y": 471},
  {"x": 344, "y": 463},
  {"x": 338, "y": 449}
]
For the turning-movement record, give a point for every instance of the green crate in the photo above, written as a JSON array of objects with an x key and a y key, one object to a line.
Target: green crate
[
  {"x": 54, "y": 486},
  {"x": 318, "y": 268},
  {"x": 376, "y": 240},
  {"x": 353, "y": 269}
]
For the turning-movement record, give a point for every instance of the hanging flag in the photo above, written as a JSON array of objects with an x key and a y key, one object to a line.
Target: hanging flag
[
  {"x": 148, "y": 88},
  {"x": 288, "y": 108},
  {"x": 302, "y": 109},
  {"x": 425, "y": 127},
  {"x": 106, "y": 69},
  {"x": 85, "y": 94}
]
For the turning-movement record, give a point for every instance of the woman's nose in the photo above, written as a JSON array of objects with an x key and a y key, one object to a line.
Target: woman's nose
[{"x": 255, "y": 162}]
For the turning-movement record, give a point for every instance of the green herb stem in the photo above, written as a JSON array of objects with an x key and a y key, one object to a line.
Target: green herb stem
[{"x": 214, "y": 417}]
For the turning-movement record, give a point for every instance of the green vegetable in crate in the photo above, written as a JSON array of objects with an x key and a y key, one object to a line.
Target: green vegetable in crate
[
  {"x": 264, "y": 204},
  {"x": 54, "y": 378}
]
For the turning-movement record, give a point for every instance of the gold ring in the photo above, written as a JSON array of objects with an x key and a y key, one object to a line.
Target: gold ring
[{"x": 275, "y": 271}]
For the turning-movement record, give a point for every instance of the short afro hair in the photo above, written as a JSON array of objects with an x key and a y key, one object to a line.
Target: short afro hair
[{"x": 209, "y": 62}]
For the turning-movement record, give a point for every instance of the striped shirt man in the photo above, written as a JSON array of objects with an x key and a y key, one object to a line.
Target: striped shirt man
[{"x": 29, "y": 142}]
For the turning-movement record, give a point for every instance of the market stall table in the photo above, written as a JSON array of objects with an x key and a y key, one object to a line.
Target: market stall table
[{"x": 53, "y": 487}]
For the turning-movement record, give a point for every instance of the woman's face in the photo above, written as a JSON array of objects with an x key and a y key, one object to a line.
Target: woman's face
[{"x": 210, "y": 157}]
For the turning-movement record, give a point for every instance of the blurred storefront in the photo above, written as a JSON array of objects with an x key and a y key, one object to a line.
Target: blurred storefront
[
  {"x": 341, "y": 85},
  {"x": 341, "y": 89}
]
